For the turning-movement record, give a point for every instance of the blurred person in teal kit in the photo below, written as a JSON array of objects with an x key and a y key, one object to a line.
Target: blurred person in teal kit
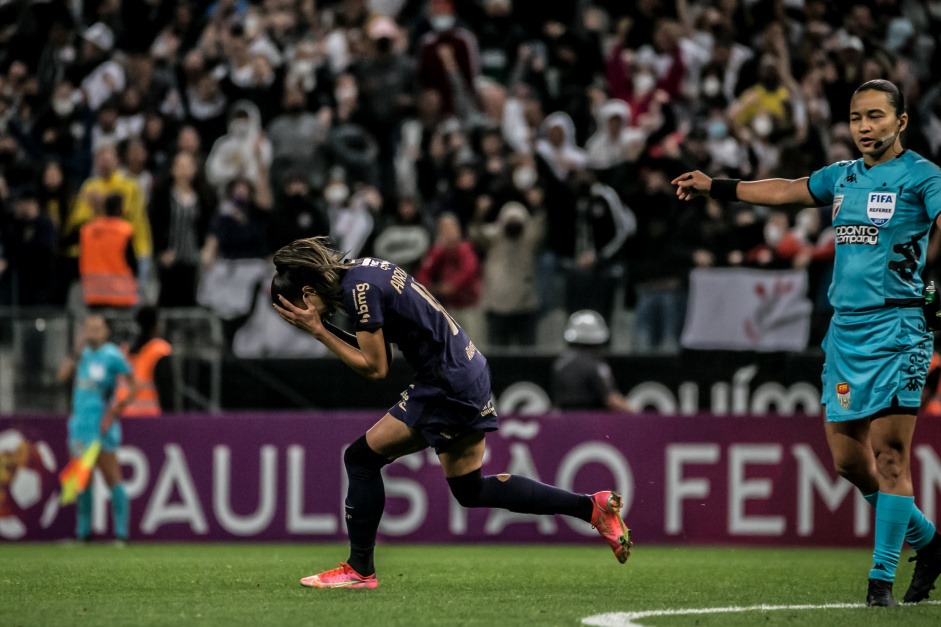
[
  {"x": 98, "y": 366},
  {"x": 878, "y": 347}
]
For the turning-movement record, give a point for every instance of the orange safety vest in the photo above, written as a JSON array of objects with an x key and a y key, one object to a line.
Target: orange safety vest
[
  {"x": 146, "y": 403},
  {"x": 107, "y": 279}
]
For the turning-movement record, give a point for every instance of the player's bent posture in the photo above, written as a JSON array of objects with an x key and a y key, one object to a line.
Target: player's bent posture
[
  {"x": 99, "y": 366},
  {"x": 448, "y": 406},
  {"x": 877, "y": 348}
]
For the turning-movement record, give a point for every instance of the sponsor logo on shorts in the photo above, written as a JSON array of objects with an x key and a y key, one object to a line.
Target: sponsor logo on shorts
[
  {"x": 362, "y": 307},
  {"x": 843, "y": 394},
  {"x": 488, "y": 410},
  {"x": 470, "y": 350},
  {"x": 880, "y": 207},
  {"x": 884, "y": 388},
  {"x": 837, "y": 203},
  {"x": 857, "y": 234}
]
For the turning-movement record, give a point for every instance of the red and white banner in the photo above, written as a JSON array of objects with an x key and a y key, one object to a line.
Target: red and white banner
[{"x": 746, "y": 309}]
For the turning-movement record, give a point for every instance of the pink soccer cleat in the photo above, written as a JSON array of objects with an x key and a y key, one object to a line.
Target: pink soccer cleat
[
  {"x": 606, "y": 518},
  {"x": 342, "y": 577}
]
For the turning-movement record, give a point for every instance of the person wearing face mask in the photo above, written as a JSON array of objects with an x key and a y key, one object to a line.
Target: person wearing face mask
[
  {"x": 350, "y": 215},
  {"x": 60, "y": 130},
  {"x": 296, "y": 215},
  {"x": 510, "y": 297},
  {"x": 615, "y": 142},
  {"x": 445, "y": 32},
  {"x": 297, "y": 137},
  {"x": 243, "y": 152},
  {"x": 239, "y": 229},
  {"x": 385, "y": 79},
  {"x": 764, "y": 103}
]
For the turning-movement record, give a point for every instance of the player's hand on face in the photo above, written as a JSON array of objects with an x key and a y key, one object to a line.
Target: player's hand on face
[
  {"x": 304, "y": 319},
  {"x": 691, "y": 185}
]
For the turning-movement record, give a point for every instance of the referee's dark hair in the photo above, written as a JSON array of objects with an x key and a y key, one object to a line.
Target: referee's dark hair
[{"x": 890, "y": 89}]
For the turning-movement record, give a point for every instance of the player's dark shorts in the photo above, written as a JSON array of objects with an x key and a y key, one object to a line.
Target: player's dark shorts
[
  {"x": 444, "y": 416},
  {"x": 876, "y": 363}
]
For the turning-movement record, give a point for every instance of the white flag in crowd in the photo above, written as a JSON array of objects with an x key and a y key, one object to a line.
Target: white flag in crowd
[{"x": 746, "y": 309}]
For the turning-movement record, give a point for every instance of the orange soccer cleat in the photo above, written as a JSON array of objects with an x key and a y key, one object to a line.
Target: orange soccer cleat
[
  {"x": 342, "y": 577},
  {"x": 606, "y": 518}
]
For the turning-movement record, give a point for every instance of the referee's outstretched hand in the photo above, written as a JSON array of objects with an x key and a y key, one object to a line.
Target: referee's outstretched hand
[{"x": 692, "y": 184}]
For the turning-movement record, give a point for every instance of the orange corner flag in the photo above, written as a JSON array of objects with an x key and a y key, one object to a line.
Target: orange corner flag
[{"x": 74, "y": 477}]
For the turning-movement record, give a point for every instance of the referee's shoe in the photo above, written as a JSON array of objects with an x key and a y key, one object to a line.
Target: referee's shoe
[
  {"x": 927, "y": 569},
  {"x": 880, "y": 594}
]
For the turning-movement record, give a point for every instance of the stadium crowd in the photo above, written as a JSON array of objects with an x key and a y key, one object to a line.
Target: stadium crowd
[{"x": 514, "y": 154}]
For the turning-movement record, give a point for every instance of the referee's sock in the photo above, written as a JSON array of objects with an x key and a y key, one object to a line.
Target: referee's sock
[
  {"x": 892, "y": 515},
  {"x": 83, "y": 509},
  {"x": 920, "y": 530},
  {"x": 121, "y": 510}
]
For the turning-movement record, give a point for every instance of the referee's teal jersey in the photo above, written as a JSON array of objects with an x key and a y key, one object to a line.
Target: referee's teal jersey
[{"x": 881, "y": 216}]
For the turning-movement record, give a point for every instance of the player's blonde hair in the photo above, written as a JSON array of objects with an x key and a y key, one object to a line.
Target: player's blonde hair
[{"x": 310, "y": 262}]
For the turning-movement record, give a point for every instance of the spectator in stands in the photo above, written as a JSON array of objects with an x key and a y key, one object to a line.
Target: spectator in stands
[
  {"x": 239, "y": 229},
  {"x": 386, "y": 78},
  {"x": 660, "y": 260},
  {"x": 244, "y": 153},
  {"x": 296, "y": 214},
  {"x": 350, "y": 214},
  {"x": 581, "y": 379},
  {"x": 500, "y": 37},
  {"x": 510, "y": 248},
  {"x": 106, "y": 260},
  {"x": 180, "y": 214},
  {"x": 404, "y": 237},
  {"x": 89, "y": 203},
  {"x": 61, "y": 130},
  {"x": 297, "y": 137},
  {"x": 615, "y": 142},
  {"x": 136, "y": 166},
  {"x": 100, "y": 76},
  {"x": 31, "y": 245},
  {"x": 451, "y": 271},
  {"x": 446, "y": 32},
  {"x": 602, "y": 226}
]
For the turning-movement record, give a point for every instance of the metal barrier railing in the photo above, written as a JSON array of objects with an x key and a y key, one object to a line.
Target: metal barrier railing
[{"x": 35, "y": 341}]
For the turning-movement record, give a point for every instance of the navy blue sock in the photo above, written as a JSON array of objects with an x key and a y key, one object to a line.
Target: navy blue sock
[
  {"x": 518, "y": 494},
  {"x": 365, "y": 500}
]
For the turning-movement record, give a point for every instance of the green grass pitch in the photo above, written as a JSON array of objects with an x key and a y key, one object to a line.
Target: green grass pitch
[{"x": 257, "y": 584}]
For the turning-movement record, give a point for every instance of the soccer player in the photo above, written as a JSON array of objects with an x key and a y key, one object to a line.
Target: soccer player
[
  {"x": 98, "y": 365},
  {"x": 448, "y": 407},
  {"x": 877, "y": 348}
]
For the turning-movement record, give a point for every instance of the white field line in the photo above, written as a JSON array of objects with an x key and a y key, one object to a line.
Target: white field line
[{"x": 627, "y": 619}]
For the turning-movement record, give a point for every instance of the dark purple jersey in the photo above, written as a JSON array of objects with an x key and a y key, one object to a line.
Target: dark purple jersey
[{"x": 378, "y": 294}]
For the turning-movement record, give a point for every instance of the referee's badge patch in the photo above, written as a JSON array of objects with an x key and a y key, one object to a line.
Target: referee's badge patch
[
  {"x": 880, "y": 207},
  {"x": 837, "y": 203},
  {"x": 843, "y": 394}
]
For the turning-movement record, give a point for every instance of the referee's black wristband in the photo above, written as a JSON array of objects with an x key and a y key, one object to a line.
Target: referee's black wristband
[{"x": 724, "y": 189}]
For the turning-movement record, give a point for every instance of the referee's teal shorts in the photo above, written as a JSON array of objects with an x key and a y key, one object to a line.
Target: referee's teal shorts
[
  {"x": 876, "y": 362},
  {"x": 82, "y": 434}
]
